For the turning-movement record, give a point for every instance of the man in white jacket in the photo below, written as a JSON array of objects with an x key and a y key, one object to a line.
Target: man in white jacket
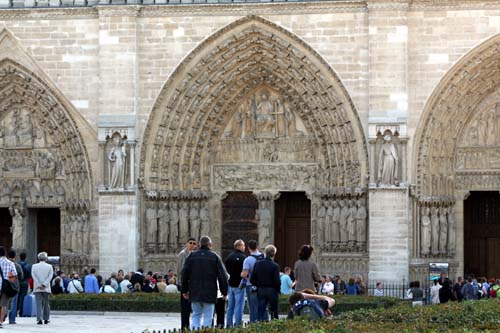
[
  {"x": 42, "y": 274},
  {"x": 75, "y": 286}
]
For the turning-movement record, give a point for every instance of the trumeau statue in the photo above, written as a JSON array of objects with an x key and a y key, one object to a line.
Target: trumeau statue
[
  {"x": 451, "y": 232},
  {"x": 443, "y": 230},
  {"x": 17, "y": 229},
  {"x": 435, "y": 231},
  {"x": 425, "y": 231},
  {"x": 264, "y": 218},
  {"x": 388, "y": 162},
  {"x": 117, "y": 157},
  {"x": 335, "y": 222}
]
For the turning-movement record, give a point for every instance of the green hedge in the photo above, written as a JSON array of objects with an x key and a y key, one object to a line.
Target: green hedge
[
  {"x": 472, "y": 316},
  {"x": 142, "y": 302}
]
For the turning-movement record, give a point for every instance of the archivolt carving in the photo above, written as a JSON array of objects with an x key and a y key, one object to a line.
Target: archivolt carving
[
  {"x": 453, "y": 106},
  {"x": 207, "y": 98}
]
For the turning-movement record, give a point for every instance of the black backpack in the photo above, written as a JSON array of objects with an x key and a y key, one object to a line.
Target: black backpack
[{"x": 308, "y": 309}]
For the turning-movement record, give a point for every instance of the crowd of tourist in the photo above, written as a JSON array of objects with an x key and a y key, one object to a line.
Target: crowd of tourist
[{"x": 213, "y": 292}]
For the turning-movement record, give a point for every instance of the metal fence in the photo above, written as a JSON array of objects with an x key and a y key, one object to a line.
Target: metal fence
[{"x": 399, "y": 289}]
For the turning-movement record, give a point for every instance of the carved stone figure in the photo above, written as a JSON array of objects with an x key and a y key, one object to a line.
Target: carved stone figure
[
  {"x": 81, "y": 222},
  {"x": 388, "y": 162},
  {"x": 46, "y": 167},
  {"x": 451, "y": 232},
  {"x": 321, "y": 218},
  {"x": 264, "y": 218},
  {"x": 425, "y": 231},
  {"x": 116, "y": 158},
  {"x": 265, "y": 115},
  {"x": 174, "y": 223},
  {"x": 17, "y": 229},
  {"x": 435, "y": 231},
  {"x": 344, "y": 214},
  {"x": 335, "y": 222},
  {"x": 24, "y": 130},
  {"x": 194, "y": 219},
  {"x": 184, "y": 220},
  {"x": 329, "y": 221},
  {"x": 281, "y": 123},
  {"x": 74, "y": 233},
  {"x": 151, "y": 224},
  {"x": 290, "y": 121},
  {"x": 443, "y": 230},
  {"x": 361, "y": 216},
  {"x": 204, "y": 219},
  {"x": 163, "y": 224},
  {"x": 351, "y": 222}
]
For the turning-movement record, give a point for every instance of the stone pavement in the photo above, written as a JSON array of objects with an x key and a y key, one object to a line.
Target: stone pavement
[{"x": 97, "y": 322}]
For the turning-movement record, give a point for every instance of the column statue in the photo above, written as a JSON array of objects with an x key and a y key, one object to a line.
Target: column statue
[
  {"x": 163, "y": 225},
  {"x": 388, "y": 162},
  {"x": 443, "y": 230},
  {"x": 151, "y": 225},
  {"x": 361, "y": 216},
  {"x": 322, "y": 238},
  {"x": 174, "y": 225},
  {"x": 184, "y": 220},
  {"x": 451, "y": 232},
  {"x": 194, "y": 219},
  {"x": 335, "y": 222},
  {"x": 425, "y": 231},
  {"x": 435, "y": 231},
  {"x": 204, "y": 219},
  {"x": 344, "y": 213},
  {"x": 351, "y": 223}
]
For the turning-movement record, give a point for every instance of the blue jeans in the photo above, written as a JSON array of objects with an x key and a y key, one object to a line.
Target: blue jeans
[
  {"x": 13, "y": 309},
  {"x": 253, "y": 305},
  {"x": 199, "y": 309},
  {"x": 235, "y": 304}
]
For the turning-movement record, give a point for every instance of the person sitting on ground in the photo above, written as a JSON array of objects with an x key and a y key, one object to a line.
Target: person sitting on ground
[
  {"x": 379, "y": 291},
  {"x": 352, "y": 288},
  {"x": 56, "y": 288},
  {"x": 107, "y": 289},
  {"x": 339, "y": 285},
  {"x": 125, "y": 284},
  {"x": 172, "y": 287},
  {"x": 305, "y": 304},
  {"x": 147, "y": 285},
  {"x": 161, "y": 285},
  {"x": 137, "y": 287}
]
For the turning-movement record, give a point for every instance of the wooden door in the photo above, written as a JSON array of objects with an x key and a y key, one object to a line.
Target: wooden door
[
  {"x": 482, "y": 233},
  {"x": 5, "y": 224},
  {"x": 49, "y": 231},
  {"x": 292, "y": 226},
  {"x": 238, "y": 220}
]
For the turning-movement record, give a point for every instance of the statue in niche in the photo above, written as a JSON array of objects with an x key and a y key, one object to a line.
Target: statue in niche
[
  {"x": 117, "y": 157},
  {"x": 425, "y": 231},
  {"x": 361, "y": 216},
  {"x": 17, "y": 229},
  {"x": 451, "y": 232},
  {"x": 435, "y": 231},
  {"x": 194, "y": 219},
  {"x": 321, "y": 218},
  {"x": 388, "y": 162},
  {"x": 174, "y": 223},
  {"x": 443, "y": 230},
  {"x": 351, "y": 222},
  {"x": 46, "y": 167},
  {"x": 264, "y": 218},
  {"x": 265, "y": 121},
  {"x": 335, "y": 236},
  {"x": 329, "y": 221},
  {"x": 151, "y": 225},
  {"x": 344, "y": 214},
  {"x": 163, "y": 224},
  {"x": 204, "y": 220},
  {"x": 184, "y": 220}
]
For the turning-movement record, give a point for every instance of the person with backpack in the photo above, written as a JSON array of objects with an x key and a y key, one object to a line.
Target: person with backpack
[
  {"x": 494, "y": 289},
  {"x": 23, "y": 284},
  {"x": 470, "y": 290},
  {"x": 310, "y": 306},
  {"x": 246, "y": 274},
  {"x": 8, "y": 278}
]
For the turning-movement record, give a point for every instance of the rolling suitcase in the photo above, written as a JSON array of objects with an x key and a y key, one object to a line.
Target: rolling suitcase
[{"x": 29, "y": 306}]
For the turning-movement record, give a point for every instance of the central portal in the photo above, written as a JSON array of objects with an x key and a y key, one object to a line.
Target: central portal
[
  {"x": 293, "y": 226},
  {"x": 482, "y": 234}
]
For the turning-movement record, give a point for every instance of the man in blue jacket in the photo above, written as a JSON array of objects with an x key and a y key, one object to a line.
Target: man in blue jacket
[{"x": 202, "y": 270}]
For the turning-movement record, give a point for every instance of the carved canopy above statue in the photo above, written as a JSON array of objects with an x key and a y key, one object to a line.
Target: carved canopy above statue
[
  {"x": 457, "y": 137},
  {"x": 252, "y": 83}
]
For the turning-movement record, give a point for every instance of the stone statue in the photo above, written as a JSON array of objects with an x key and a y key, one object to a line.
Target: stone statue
[
  {"x": 388, "y": 162},
  {"x": 184, "y": 220},
  {"x": 237, "y": 126},
  {"x": 322, "y": 223},
  {"x": 335, "y": 222},
  {"x": 435, "y": 231},
  {"x": 17, "y": 229},
  {"x": 451, "y": 232},
  {"x": 351, "y": 222},
  {"x": 163, "y": 224},
  {"x": 361, "y": 216},
  {"x": 425, "y": 231},
  {"x": 344, "y": 213},
  {"x": 281, "y": 125},
  {"x": 443, "y": 230},
  {"x": 81, "y": 233},
  {"x": 264, "y": 218},
  {"x": 290, "y": 121},
  {"x": 194, "y": 219},
  {"x": 265, "y": 115},
  {"x": 116, "y": 158},
  {"x": 151, "y": 224},
  {"x": 329, "y": 221},
  {"x": 74, "y": 233},
  {"x": 204, "y": 219},
  {"x": 174, "y": 223},
  {"x": 85, "y": 229},
  {"x": 46, "y": 167}
]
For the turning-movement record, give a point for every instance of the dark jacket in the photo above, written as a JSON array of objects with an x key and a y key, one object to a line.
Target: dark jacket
[
  {"x": 234, "y": 266},
  {"x": 266, "y": 273},
  {"x": 137, "y": 278},
  {"x": 202, "y": 270}
]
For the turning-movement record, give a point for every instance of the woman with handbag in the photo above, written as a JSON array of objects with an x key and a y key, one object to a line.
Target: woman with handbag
[{"x": 8, "y": 286}]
